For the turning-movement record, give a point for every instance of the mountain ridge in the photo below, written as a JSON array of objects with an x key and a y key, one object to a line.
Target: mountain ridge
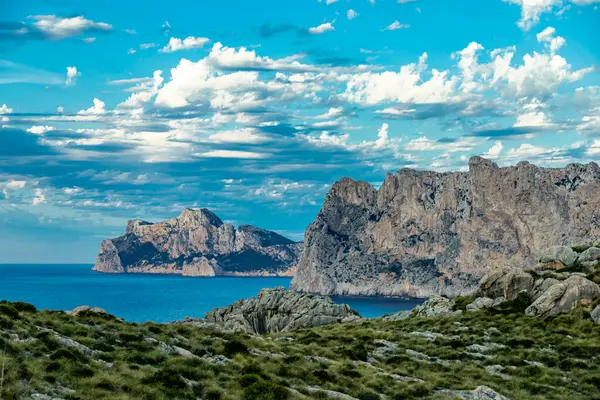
[{"x": 198, "y": 243}]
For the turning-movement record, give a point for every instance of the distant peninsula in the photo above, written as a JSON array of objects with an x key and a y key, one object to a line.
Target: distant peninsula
[{"x": 198, "y": 243}]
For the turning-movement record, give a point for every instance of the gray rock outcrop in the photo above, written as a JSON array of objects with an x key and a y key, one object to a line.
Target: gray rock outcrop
[
  {"x": 434, "y": 306},
  {"x": 425, "y": 233},
  {"x": 280, "y": 310},
  {"x": 505, "y": 282},
  {"x": 564, "y": 297},
  {"x": 198, "y": 243}
]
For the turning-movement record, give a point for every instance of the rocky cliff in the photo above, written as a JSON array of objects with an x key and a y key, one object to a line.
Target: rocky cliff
[
  {"x": 198, "y": 243},
  {"x": 425, "y": 233}
]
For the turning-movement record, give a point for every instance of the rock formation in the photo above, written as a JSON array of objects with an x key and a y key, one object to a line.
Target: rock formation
[
  {"x": 562, "y": 281},
  {"x": 425, "y": 233},
  {"x": 198, "y": 243},
  {"x": 280, "y": 310}
]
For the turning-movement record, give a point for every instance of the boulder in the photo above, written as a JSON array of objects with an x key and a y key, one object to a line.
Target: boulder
[
  {"x": 436, "y": 305},
  {"x": 590, "y": 258},
  {"x": 563, "y": 254},
  {"x": 480, "y": 393},
  {"x": 280, "y": 310},
  {"x": 399, "y": 316},
  {"x": 505, "y": 282},
  {"x": 564, "y": 297},
  {"x": 540, "y": 286},
  {"x": 595, "y": 314},
  {"x": 83, "y": 309},
  {"x": 479, "y": 303}
]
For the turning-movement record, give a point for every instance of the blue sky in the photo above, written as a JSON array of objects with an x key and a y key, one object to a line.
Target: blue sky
[{"x": 116, "y": 110}]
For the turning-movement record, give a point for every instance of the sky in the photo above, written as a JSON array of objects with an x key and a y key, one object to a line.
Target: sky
[{"x": 115, "y": 110}]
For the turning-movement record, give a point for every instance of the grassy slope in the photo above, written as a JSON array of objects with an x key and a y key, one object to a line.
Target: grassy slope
[{"x": 568, "y": 346}]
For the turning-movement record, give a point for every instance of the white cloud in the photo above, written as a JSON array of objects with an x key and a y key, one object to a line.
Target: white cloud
[
  {"x": 60, "y": 109},
  {"x": 328, "y": 2},
  {"x": 333, "y": 112},
  {"x": 229, "y": 58},
  {"x": 382, "y": 136},
  {"x": 317, "y": 30},
  {"x": 97, "y": 109},
  {"x": 60, "y": 28},
  {"x": 425, "y": 144},
  {"x": 394, "y": 26},
  {"x": 495, "y": 151},
  {"x": 190, "y": 42},
  {"x": 547, "y": 36},
  {"x": 406, "y": 86},
  {"x": 351, "y": 14},
  {"x": 72, "y": 75},
  {"x": 71, "y": 191},
  {"x": 131, "y": 51},
  {"x": 143, "y": 92},
  {"x": 525, "y": 151},
  {"x": 131, "y": 31},
  {"x": 531, "y": 10},
  {"x": 232, "y": 154},
  {"x": 38, "y": 197},
  {"x": 88, "y": 40},
  {"x": 145, "y": 46},
  {"x": 5, "y": 110},
  {"x": 40, "y": 129},
  {"x": 594, "y": 148},
  {"x": 244, "y": 135},
  {"x": 15, "y": 185}
]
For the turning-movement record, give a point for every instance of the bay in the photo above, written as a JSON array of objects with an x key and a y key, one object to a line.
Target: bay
[{"x": 145, "y": 297}]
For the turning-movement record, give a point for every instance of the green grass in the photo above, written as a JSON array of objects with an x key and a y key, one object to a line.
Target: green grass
[{"x": 127, "y": 365}]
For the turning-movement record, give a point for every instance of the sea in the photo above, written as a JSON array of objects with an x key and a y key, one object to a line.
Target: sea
[{"x": 147, "y": 297}]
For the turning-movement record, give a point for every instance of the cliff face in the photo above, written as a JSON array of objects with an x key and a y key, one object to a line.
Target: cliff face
[
  {"x": 198, "y": 243},
  {"x": 425, "y": 233}
]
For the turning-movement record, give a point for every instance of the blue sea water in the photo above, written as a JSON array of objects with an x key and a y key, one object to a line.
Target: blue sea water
[{"x": 141, "y": 298}]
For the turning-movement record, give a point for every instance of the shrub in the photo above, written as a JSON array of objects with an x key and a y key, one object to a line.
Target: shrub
[
  {"x": 234, "y": 347},
  {"x": 66, "y": 354},
  {"x": 265, "y": 390},
  {"x": 461, "y": 302},
  {"x": 22, "y": 306},
  {"x": 168, "y": 378},
  {"x": 9, "y": 311},
  {"x": 367, "y": 395},
  {"x": 248, "y": 380}
]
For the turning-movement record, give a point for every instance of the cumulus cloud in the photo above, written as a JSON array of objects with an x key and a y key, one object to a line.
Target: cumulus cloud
[
  {"x": 494, "y": 152},
  {"x": 382, "y": 136},
  {"x": 38, "y": 197},
  {"x": 547, "y": 36},
  {"x": 531, "y": 10},
  {"x": 318, "y": 30},
  {"x": 40, "y": 129},
  {"x": 57, "y": 28},
  {"x": 72, "y": 75},
  {"x": 5, "y": 109},
  {"x": 242, "y": 136},
  {"x": 394, "y": 26},
  {"x": 351, "y": 14},
  {"x": 97, "y": 109},
  {"x": 143, "y": 92},
  {"x": 190, "y": 42}
]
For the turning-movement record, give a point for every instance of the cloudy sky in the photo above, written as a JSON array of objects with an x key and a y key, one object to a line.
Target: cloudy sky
[{"x": 112, "y": 110}]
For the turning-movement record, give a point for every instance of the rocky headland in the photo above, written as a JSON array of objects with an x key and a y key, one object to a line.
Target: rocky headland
[
  {"x": 424, "y": 233},
  {"x": 198, "y": 243}
]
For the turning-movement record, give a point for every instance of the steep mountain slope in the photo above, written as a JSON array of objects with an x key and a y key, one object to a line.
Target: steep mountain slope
[
  {"x": 198, "y": 243},
  {"x": 424, "y": 232}
]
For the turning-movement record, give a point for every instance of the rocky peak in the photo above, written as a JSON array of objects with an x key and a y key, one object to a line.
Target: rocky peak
[{"x": 201, "y": 217}]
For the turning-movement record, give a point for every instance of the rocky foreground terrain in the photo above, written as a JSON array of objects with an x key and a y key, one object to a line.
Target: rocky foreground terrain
[
  {"x": 425, "y": 233},
  {"x": 531, "y": 334},
  {"x": 198, "y": 243}
]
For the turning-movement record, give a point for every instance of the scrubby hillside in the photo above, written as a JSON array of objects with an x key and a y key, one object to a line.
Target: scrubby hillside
[{"x": 92, "y": 355}]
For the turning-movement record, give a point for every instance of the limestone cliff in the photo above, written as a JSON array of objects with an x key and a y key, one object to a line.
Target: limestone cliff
[
  {"x": 198, "y": 243},
  {"x": 425, "y": 233}
]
